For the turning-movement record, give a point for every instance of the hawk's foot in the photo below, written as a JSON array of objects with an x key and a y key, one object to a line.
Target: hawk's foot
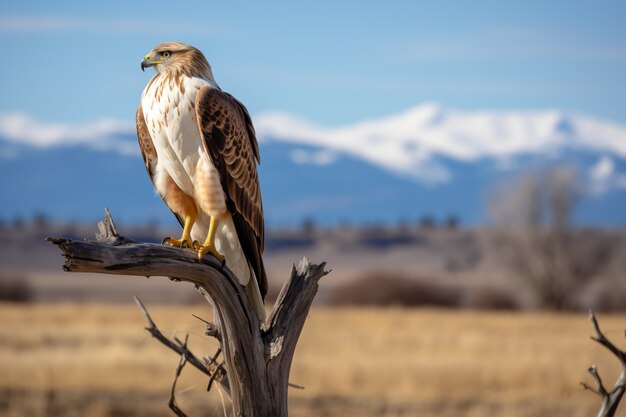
[
  {"x": 183, "y": 242},
  {"x": 207, "y": 248}
]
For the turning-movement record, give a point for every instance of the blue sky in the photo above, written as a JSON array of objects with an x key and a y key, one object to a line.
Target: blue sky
[{"x": 331, "y": 63}]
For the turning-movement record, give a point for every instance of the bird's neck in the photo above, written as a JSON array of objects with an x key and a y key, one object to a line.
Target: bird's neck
[{"x": 178, "y": 75}]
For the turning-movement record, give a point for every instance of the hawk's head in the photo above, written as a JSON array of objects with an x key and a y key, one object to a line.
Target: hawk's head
[{"x": 177, "y": 57}]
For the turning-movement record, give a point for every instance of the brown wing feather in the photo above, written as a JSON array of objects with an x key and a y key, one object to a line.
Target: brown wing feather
[
  {"x": 148, "y": 152},
  {"x": 230, "y": 141}
]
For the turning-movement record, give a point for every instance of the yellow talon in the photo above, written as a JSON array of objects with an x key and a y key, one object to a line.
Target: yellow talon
[
  {"x": 209, "y": 243},
  {"x": 185, "y": 241},
  {"x": 204, "y": 249}
]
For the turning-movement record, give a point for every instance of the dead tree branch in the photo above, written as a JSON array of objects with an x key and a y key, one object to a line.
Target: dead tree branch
[
  {"x": 610, "y": 399},
  {"x": 181, "y": 348},
  {"x": 172, "y": 403},
  {"x": 257, "y": 356}
]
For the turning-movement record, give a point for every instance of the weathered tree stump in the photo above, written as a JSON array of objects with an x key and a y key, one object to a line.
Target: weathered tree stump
[{"x": 257, "y": 356}]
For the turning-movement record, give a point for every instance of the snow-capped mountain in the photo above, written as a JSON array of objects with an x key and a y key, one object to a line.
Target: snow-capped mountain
[
  {"x": 427, "y": 160},
  {"x": 409, "y": 143}
]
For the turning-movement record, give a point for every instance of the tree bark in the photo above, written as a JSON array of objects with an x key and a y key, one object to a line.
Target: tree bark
[{"x": 257, "y": 355}]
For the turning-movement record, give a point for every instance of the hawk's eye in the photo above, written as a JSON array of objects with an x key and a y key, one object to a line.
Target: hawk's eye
[{"x": 166, "y": 54}]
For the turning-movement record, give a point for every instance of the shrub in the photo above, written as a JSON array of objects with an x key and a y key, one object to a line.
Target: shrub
[
  {"x": 485, "y": 298},
  {"x": 15, "y": 289},
  {"x": 386, "y": 288}
]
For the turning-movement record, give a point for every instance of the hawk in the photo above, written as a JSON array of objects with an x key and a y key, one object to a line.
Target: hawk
[{"x": 201, "y": 153}]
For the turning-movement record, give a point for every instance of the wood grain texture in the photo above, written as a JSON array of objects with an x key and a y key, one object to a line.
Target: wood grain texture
[{"x": 258, "y": 355}]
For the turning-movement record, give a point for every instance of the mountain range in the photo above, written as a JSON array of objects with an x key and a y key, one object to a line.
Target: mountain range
[{"x": 427, "y": 161}]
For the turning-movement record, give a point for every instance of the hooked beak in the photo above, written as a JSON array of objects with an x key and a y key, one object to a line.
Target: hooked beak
[{"x": 148, "y": 62}]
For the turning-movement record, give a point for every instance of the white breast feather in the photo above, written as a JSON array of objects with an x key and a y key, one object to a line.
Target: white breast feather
[{"x": 171, "y": 121}]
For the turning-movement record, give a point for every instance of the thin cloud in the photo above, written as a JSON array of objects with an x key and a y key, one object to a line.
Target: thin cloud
[{"x": 58, "y": 24}]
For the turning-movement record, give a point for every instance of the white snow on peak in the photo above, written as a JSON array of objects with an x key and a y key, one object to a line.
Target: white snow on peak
[
  {"x": 409, "y": 142},
  {"x": 106, "y": 134}
]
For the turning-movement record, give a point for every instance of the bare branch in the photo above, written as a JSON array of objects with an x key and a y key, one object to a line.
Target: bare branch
[
  {"x": 600, "y": 338},
  {"x": 211, "y": 328},
  {"x": 610, "y": 400},
  {"x": 177, "y": 346},
  {"x": 218, "y": 373},
  {"x": 213, "y": 360},
  {"x": 106, "y": 228},
  {"x": 599, "y": 385},
  {"x": 172, "y": 402},
  {"x": 590, "y": 388}
]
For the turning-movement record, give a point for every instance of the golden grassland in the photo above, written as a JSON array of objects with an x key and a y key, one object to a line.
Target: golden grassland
[{"x": 96, "y": 360}]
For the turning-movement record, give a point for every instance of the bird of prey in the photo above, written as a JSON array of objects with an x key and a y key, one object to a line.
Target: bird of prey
[{"x": 200, "y": 150}]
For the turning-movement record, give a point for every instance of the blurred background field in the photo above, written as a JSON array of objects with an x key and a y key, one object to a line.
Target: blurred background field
[{"x": 96, "y": 360}]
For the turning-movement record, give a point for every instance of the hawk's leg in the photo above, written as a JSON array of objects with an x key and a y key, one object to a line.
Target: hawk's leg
[
  {"x": 185, "y": 240},
  {"x": 209, "y": 244}
]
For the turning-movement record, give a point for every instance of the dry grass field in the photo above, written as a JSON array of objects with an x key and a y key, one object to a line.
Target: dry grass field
[{"x": 96, "y": 361}]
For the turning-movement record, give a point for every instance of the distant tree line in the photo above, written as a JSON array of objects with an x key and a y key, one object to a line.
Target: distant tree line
[{"x": 424, "y": 222}]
